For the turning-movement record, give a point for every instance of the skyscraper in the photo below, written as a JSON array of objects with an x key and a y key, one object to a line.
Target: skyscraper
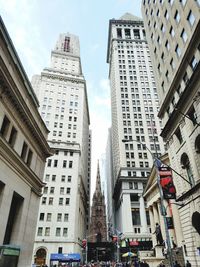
[
  {"x": 64, "y": 207},
  {"x": 134, "y": 107},
  {"x": 173, "y": 33}
]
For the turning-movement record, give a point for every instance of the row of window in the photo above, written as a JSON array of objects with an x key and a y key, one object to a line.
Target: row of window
[
  {"x": 61, "y": 217},
  {"x": 53, "y": 178},
  {"x": 54, "y": 163},
  {"x": 51, "y": 190},
  {"x": 46, "y": 231},
  {"x": 9, "y": 132},
  {"x": 50, "y": 201}
]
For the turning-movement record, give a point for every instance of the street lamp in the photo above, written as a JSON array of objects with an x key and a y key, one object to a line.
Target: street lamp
[{"x": 163, "y": 211}]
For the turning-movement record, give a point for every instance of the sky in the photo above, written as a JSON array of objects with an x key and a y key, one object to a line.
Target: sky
[{"x": 34, "y": 27}]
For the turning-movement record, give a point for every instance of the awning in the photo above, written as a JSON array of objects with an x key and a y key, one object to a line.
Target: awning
[{"x": 65, "y": 257}]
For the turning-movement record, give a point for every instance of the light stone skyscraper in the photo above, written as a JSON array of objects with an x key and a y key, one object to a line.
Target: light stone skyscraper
[
  {"x": 64, "y": 208},
  {"x": 134, "y": 106}
]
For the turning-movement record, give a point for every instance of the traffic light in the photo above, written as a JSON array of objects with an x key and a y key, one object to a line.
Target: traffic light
[{"x": 84, "y": 243}]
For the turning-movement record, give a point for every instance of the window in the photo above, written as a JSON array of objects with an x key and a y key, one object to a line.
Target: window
[
  {"x": 66, "y": 217},
  {"x": 49, "y": 163},
  {"x": 51, "y": 201},
  {"x": 68, "y": 190},
  {"x": 65, "y": 231},
  {"x": 178, "y": 51},
  {"x": 47, "y": 177},
  {"x": 59, "y": 217},
  {"x": 29, "y": 158},
  {"x": 55, "y": 163},
  {"x": 47, "y": 231},
  {"x": 177, "y": 16},
  {"x": 13, "y": 136},
  {"x": 178, "y": 135},
  {"x": 167, "y": 45},
  {"x": 64, "y": 163},
  {"x": 60, "y": 201},
  {"x": 70, "y": 164},
  {"x": 41, "y": 218},
  {"x": 184, "y": 35},
  {"x": 130, "y": 185},
  {"x": 69, "y": 178},
  {"x": 172, "y": 33},
  {"x": 67, "y": 200},
  {"x": 135, "y": 185},
  {"x": 136, "y": 217},
  {"x": 44, "y": 199},
  {"x": 5, "y": 126},
  {"x": 193, "y": 63},
  {"x": 39, "y": 232},
  {"x": 24, "y": 151},
  {"x": 58, "y": 229},
  {"x": 63, "y": 178},
  {"x": 172, "y": 64},
  {"x": 61, "y": 190},
  {"x": 191, "y": 18},
  {"x": 49, "y": 217},
  {"x": 185, "y": 164}
]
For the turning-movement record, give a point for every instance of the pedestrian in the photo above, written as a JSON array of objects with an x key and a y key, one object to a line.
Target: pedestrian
[
  {"x": 145, "y": 264},
  {"x": 177, "y": 264},
  {"x": 162, "y": 264},
  {"x": 188, "y": 264}
]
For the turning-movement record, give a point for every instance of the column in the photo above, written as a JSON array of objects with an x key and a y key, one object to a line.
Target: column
[
  {"x": 162, "y": 224},
  {"x": 143, "y": 217},
  {"x": 152, "y": 225},
  {"x": 155, "y": 213}
]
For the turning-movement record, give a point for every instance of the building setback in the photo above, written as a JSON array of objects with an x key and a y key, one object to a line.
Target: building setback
[
  {"x": 23, "y": 152},
  {"x": 64, "y": 207},
  {"x": 134, "y": 107},
  {"x": 173, "y": 33}
]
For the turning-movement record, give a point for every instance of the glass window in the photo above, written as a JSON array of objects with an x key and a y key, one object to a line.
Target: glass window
[
  {"x": 178, "y": 50},
  {"x": 191, "y": 18},
  {"x": 184, "y": 35},
  {"x": 58, "y": 229},
  {"x": 39, "y": 232}
]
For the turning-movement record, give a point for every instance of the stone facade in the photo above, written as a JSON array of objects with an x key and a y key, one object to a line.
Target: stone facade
[
  {"x": 23, "y": 152},
  {"x": 64, "y": 208},
  {"x": 172, "y": 29},
  {"x": 98, "y": 228}
]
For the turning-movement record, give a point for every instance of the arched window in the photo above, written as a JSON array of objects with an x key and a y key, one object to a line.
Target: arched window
[
  {"x": 197, "y": 144},
  {"x": 185, "y": 164}
]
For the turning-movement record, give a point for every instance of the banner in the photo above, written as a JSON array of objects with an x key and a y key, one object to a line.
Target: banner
[{"x": 166, "y": 182}]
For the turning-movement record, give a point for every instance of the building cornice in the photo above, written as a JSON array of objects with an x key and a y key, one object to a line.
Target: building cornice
[
  {"x": 21, "y": 112},
  {"x": 66, "y": 78},
  {"x": 118, "y": 21}
]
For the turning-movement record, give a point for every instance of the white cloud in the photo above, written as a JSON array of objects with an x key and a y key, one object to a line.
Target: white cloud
[
  {"x": 105, "y": 85},
  {"x": 102, "y": 101}
]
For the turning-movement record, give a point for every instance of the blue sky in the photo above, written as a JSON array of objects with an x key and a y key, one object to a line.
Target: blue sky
[{"x": 34, "y": 26}]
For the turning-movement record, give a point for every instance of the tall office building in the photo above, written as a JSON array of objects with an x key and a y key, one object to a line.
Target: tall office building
[
  {"x": 173, "y": 33},
  {"x": 64, "y": 207},
  {"x": 134, "y": 106}
]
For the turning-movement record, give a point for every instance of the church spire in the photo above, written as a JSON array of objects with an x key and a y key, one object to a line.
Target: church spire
[{"x": 98, "y": 180}]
